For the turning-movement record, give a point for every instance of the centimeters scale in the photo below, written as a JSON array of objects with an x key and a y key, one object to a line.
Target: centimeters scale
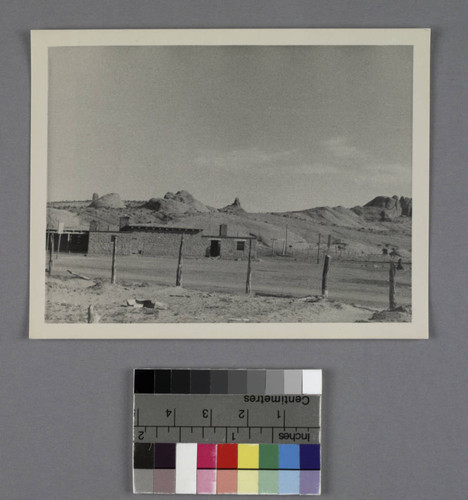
[{"x": 193, "y": 418}]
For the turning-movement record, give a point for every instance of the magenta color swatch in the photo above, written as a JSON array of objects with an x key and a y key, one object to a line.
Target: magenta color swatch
[
  {"x": 206, "y": 481},
  {"x": 206, "y": 456}
]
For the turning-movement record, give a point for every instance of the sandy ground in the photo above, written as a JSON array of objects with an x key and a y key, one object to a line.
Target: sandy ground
[
  {"x": 69, "y": 298},
  {"x": 214, "y": 291}
]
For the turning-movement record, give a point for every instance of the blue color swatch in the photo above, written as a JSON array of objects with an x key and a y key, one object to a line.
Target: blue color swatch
[
  {"x": 310, "y": 456},
  {"x": 289, "y": 456}
]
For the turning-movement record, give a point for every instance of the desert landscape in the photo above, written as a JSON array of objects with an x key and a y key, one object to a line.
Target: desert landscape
[{"x": 286, "y": 274}]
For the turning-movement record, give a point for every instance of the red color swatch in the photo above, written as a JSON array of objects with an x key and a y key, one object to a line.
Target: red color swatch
[{"x": 227, "y": 456}]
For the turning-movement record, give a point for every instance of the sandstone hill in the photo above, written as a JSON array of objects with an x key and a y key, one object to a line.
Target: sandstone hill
[
  {"x": 111, "y": 200},
  {"x": 176, "y": 204},
  {"x": 56, "y": 215},
  {"x": 386, "y": 208},
  {"x": 377, "y": 227}
]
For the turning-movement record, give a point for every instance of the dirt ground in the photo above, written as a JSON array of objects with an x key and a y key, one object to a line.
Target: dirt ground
[{"x": 213, "y": 291}]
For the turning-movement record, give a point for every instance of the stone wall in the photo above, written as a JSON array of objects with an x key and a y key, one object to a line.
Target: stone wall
[
  {"x": 150, "y": 244},
  {"x": 154, "y": 244}
]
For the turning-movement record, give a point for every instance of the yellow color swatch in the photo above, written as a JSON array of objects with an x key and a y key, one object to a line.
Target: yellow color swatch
[
  {"x": 247, "y": 456},
  {"x": 247, "y": 482}
]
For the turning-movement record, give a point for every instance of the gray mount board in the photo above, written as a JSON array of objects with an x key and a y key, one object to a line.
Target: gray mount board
[{"x": 399, "y": 406}]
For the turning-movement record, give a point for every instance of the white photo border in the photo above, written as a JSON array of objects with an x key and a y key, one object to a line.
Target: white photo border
[{"x": 42, "y": 40}]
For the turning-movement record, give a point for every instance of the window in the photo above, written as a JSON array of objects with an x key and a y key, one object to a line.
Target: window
[{"x": 241, "y": 246}]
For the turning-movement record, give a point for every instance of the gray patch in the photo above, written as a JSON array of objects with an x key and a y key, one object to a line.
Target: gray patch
[
  {"x": 274, "y": 382},
  {"x": 143, "y": 480},
  {"x": 237, "y": 381},
  {"x": 256, "y": 381},
  {"x": 219, "y": 382}
]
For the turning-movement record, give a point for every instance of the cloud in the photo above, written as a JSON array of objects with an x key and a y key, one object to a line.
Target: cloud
[
  {"x": 333, "y": 157},
  {"x": 342, "y": 149},
  {"x": 241, "y": 158},
  {"x": 347, "y": 158}
]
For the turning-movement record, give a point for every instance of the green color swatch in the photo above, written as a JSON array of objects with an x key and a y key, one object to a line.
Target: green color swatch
[{"x": 268, "y": 456}]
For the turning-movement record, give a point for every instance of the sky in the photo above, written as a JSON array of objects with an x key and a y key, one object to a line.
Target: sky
[{"x": 282, "y": 128}]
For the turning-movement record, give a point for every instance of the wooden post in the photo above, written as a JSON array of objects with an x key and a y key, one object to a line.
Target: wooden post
[
  {"x": 326, "y": 267},
  {"x": 391, "y": 282},
  {"x": 68, "y": 242},
  {"x": 114, "y": 241},
  {"x": 248, "y": 283},
  {"x": 93, "y": 316},
  {"x": 318, "y": 249},
  {"x": 58, "y": 245},
  {"x": 286, "y": 241},
  {"x": 60, "y": 229},
  {"x": 51, "y": 253},
  {"x": 273, "y": 246},
  {"x": 180, "y": 263}
]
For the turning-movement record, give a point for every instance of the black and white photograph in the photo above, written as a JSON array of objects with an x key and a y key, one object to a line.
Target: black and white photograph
[{"x": 229, "y": 183}]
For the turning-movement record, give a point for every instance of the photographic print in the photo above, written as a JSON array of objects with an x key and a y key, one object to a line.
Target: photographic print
[{"x": 229, "y": 184}]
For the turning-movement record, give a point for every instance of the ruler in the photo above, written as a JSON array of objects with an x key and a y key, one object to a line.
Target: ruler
[{"x": 206, "y": 418}]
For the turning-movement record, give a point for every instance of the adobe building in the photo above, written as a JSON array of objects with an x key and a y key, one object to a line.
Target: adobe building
[
  {"x": 153, "y": 241},
  {"x": 230, "y": 247}
]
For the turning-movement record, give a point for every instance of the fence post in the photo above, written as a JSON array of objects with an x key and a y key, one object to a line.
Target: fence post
[
  {"x": 180, "y": 263},
  {"x": 248, "y": 283},
  {"x": 326, "y": 267},
  {"x": 51, "y": 253},
  {"x": 93, "y": 317},
  {"x": 58, "y": 246},
  {"x": 318, "y": 249},
  {"x": 113, "y": 275},
  {"x": 391, "y": 282}
]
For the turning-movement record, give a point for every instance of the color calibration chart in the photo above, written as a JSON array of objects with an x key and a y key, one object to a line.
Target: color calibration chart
[{"x": 227, "y": 431}]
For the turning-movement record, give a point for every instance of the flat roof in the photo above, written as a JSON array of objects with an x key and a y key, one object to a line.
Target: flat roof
[
  {"x": 163, "y": 229},
  {"x": 218, "y": 237},
  {"x": 66, "y": 230}
]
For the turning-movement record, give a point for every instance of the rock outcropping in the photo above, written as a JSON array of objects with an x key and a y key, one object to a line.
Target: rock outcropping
[
  {"x": 234, "y": 208},
  {"x": 111, "y": 200},
  {"x": 391, "y": 207},
  {"x": 176, "y": 204}
]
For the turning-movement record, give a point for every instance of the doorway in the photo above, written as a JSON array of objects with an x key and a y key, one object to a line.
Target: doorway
[{"x": 215, "y": 248}]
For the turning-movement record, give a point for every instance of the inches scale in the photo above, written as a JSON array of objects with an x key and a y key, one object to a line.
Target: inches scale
[{"x": 194, "y": 418}]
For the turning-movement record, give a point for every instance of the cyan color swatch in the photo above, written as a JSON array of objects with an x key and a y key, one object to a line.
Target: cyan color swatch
[{"x": 288, "y": 482}]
